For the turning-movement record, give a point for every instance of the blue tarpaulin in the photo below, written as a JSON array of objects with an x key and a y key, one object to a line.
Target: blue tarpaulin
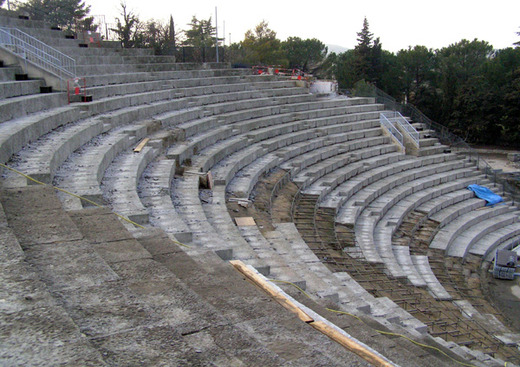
[{"x": 486, "y": 194}]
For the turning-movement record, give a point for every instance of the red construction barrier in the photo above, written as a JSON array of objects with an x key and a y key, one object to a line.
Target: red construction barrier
[
  {"x": 77, "y": 90},
  {"x": 296, "y": 74}
]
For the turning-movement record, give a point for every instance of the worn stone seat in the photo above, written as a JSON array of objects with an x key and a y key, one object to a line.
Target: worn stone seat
[
  {"x": 390, "y": 222},
  {"x": 120, "y": 183},
  {"x": 365, "y": 217},
  {"x": 499, "y": 238},
  {"x": 259, "y": 158},
  {"x": 373, "y": 184},
  {"x": 90, "y": 162},
  {"x": 461, "y": 245},
  {"x": 155, "y": 194},
  {"x": 261, "y": 128},
  {"x": 454, "y": 228},
  {"x": 16, "y": 107}
]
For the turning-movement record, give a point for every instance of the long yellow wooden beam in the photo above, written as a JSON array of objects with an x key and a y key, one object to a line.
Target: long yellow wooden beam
[
  {"x": 266, "y": 287},
  {"x": 321, "y": 326},
  {"x": 141, "y": 145}
]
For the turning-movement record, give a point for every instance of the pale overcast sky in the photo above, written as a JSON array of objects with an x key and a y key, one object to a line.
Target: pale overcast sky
[{"x": 399, "y": 23}]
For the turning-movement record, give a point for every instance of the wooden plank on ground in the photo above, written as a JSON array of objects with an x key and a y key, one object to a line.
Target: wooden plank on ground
[
  {"x": 261, "y": 282},
  {"x": 245, "y": 221},
  {"x": 141, "y": 145}
]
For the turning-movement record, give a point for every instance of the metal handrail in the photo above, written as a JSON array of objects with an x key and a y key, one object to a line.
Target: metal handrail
[
  {"x": 390, "y": 127},
  {"x": 396, "y": 117},
  {"x": 37, "y": 52}
]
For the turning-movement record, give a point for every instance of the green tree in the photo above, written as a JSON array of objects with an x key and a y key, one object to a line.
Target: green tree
[
  {"x": 502, "y": 74},
  {"x": 344, "y": 70},
  {"x": 362, "y": 54},
  {"x": 128, "y": 27},
  {"x": 61, "y": 13},
  {"x": 200, "y": 34},
  {"x": 460, "y": 71},
  {"x": 305, "y": 54},
  {"x": 364, "y": 62},
  {"x": 417, "y": 66},
  {"x": 389, "y": 75},
  {"x": 157, "y": 36},
  {"x": 262, "y": 47}
]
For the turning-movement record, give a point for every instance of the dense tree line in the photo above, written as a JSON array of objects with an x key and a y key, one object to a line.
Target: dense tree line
[{"x": 468, "y": 86}]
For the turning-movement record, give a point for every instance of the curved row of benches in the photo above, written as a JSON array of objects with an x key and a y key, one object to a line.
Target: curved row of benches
[{"x": 238, "y": 127}]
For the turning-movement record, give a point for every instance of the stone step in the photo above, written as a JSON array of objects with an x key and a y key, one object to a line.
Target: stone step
[
  {"x": 37, "y": 329},
  {"x": 16, "y": 107},
  {"x": 11, "y": 89}
]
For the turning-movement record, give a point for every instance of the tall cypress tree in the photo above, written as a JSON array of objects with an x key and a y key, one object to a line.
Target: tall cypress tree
[{"x": 362, "y": 52}]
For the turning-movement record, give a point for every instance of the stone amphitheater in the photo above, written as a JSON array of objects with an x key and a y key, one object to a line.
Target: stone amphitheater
[{"x": 183, "y": 173}]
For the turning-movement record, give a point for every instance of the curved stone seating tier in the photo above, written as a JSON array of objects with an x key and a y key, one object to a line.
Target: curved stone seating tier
[
  {"x": 448, "y": 214},
  {"x": 16, "y": 107},
  {"x": 260, "y": 158},
  {"x": 390, "y": 222},
  {"x": 445, "y": 237},
  {"x": 333, "y": 143},
  {"x": 218, "y": 217},
  {"x": 365, "y": 217},
  {"x": 339, "y": 287},
  {"x": 434, "y": 286},
  {"x": 261, "y": 129},
  {"x": 84, "y": 57},
  {"x": 75, "y": 51},
  {"x": 278, "y": 268},
  {"x": 218, "y": 152},
  {"x": 43, "y": 121},
  {"x": 120, "y": 182},
  {"x": 407, "y": 266},
  {"x": 94, "y": 69},
  {"x": 312, "y": 114},
  {"x": 444, "y": 195},
  {"x": 346, "y": 154},
  {"x": 185, "y": 196},
  {"x": 287, "y": 244},
  {"x": 10, "y": 89},
  {"x": 362, "y": 160},
  {"x": 178, "y": 78},
  {"x": 43, "y": 159},
  {"x": 116, "y": 102},
  {"x": 499, "y": 238},
  {"x": 460, "y": 246},
  {"x": 374, "y": 183},
  {"x": 56, "y": 154},
  {"x": 83, "y": 171},
  {"x": 372, "y": 171},
  {"x": 17, "y": 133},
  {"x": 155, "y": 194}
]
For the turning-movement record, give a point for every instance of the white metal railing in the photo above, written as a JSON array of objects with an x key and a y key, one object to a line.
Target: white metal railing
[
  {"x": 396, "y": 118},
  {"x": 37, "y": 52},
  {"x": 390, "y": 127}
]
